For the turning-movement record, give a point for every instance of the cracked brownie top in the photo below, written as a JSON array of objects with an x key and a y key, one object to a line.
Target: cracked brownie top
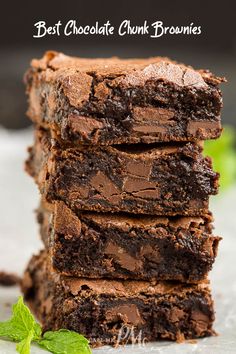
[{"x": 113, "y": 101}]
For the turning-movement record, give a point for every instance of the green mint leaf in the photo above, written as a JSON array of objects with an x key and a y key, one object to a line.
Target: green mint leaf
[
  {"x": 24, "y": 346},
  {"x": 21, "y": 323},
  {"x": 23, "y": 328},
  {"x": 65, "y": 342},
  {"x": 223, "y": 154},
  {"x": 7, "y": 331}
]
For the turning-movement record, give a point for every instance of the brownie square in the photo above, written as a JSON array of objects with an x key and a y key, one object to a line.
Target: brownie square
[
  {"x": 147, "y": 179},
  {"x": 116, "y": 101},
  {"x": 96, "y": 245},
  {"x": 103, "y": 309}
]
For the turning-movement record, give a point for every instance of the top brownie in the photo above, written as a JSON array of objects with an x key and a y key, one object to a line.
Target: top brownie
[{"x": 116, "y": 101}]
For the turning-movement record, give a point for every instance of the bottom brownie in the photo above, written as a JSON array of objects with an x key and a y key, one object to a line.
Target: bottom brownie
[{"x": 117, "y": 312}]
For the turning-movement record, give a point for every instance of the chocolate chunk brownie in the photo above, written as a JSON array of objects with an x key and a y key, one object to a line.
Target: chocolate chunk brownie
[
  {"x": 115, "y": 101},
  {"x": 97, "y": 245},
  {"x": 103, "y": 310},
  {"x": 146, "y": 179}
]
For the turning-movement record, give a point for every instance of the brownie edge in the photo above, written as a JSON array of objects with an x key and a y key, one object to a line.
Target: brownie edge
[{"x": 102, "y": 309}]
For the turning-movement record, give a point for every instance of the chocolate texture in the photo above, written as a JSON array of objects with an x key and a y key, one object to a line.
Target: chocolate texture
[
  {"x": 148, "y": 179},
  {"x": 102, "y": 309},
  {"x": 116, "y": 101},
  {"x": 118, "y": 246}
]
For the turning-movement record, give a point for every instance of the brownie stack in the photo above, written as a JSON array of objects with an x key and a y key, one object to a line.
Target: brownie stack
[{"x": 125, "y": 189}]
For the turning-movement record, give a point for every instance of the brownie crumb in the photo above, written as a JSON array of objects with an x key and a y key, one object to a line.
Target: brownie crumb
[{"x": 9, "y": 279}]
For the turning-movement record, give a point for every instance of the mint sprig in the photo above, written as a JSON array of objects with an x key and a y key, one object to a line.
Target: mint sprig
[
  {"x": 21, "y": 324},
  {"x": 23, "y": 328}
]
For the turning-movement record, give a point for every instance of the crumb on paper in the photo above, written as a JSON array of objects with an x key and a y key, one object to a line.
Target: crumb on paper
[{"x": 9, "y": 279}]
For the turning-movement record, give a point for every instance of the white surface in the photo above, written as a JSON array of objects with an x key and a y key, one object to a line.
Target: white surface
[{"x": 19, "y": 239}]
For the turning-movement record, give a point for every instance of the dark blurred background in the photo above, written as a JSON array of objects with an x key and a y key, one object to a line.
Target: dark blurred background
[{"x": 214, "y": 49}]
